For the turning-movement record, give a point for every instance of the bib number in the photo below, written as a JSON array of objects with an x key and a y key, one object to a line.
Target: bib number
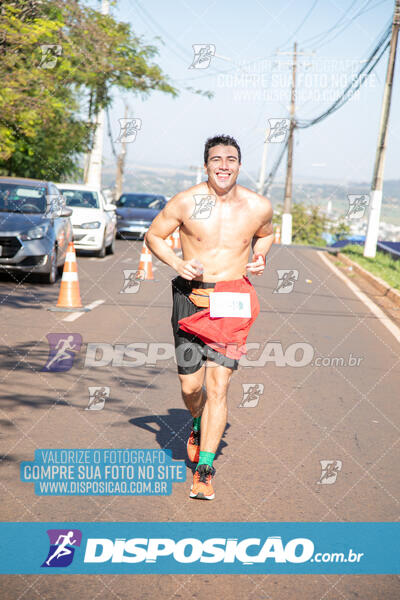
[{"x": 230, "y": 304}]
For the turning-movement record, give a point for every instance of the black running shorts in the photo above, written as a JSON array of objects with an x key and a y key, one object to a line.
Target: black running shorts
[{"x": 191, "y": 352}]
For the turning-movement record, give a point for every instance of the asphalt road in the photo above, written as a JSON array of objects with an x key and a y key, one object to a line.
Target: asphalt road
[{"x": 268, "y": 464}]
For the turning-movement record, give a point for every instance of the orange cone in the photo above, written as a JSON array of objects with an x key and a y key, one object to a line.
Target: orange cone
[
  {"x": 69, "y": 298},
  {"x": 170, "y": 241},
  {"x": 277, "y": 236},
  {"x": 145, "y": 268},
  {"x": 176, "y": 240}
]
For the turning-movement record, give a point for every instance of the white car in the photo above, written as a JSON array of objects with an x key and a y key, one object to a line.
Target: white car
[{"x": 94, "y": 221}]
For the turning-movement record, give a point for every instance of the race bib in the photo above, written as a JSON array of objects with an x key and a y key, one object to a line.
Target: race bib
[{"x": 230, "y": 304}]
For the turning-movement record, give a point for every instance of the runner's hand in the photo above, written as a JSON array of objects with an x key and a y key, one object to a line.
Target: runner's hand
[
  {"x": 257, "y": 266},
  {"x": 189, "y": 269}
]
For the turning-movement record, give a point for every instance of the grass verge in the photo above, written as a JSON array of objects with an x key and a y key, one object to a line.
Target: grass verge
[{"x": 383, "y": 265}]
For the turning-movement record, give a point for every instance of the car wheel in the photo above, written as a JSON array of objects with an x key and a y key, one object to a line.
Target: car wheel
[
  {"x": 111, "y": 248},
  {"x": 102, "y": 252},
  {"x": 51, "y": 277}
]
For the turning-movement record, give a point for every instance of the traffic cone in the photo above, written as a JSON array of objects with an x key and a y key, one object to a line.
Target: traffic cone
[
  {"x": 69, "y": 298},
  {"x": 145, "y": 269},
  {"x": 176, "y": 240},
  {"x": 277, "y": 236},
  {"x": 170, "y": 241}
]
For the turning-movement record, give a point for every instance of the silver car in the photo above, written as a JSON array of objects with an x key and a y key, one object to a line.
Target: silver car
[{"x": 35, "y": 228}]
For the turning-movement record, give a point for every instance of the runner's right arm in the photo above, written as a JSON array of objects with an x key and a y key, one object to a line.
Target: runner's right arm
[{"x": 164, "y": 225}]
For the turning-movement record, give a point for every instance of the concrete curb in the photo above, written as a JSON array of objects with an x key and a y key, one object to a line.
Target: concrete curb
[{"x": 382, "y": 286}]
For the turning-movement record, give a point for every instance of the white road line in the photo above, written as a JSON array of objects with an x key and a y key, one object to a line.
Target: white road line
[
  {"x": 376, "y": 310},
  {"x": 109, "y": 257},
  {"x": 76, "y": 315}
]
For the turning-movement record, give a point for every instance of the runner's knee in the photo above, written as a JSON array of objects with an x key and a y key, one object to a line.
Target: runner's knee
[
  {"x": 190, "y": 387},
  {"x": 216, "y": 391}
]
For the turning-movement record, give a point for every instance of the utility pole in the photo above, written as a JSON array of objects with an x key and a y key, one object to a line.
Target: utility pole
[
  {"x": 119, "y": 177},
  {"x": 287, "y": 203},
  {"x": 377, "y": 180},
  {"x": 95, "y": 156},
  {"x": 263, "y": 169}
]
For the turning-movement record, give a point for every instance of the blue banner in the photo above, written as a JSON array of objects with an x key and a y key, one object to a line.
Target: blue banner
[{"x": 189, "y": 548}]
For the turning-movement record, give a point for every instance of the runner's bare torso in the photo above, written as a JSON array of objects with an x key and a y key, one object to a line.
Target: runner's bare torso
[{"x": 221, "y": 237}]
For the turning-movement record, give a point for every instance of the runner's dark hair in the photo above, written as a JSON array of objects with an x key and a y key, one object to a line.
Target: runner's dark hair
[{"x": 225, "y": 140}]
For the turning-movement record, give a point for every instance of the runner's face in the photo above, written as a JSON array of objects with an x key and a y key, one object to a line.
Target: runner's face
[{"x": 222, "y": 167}]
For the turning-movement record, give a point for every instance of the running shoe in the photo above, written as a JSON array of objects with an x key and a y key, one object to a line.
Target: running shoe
[
  {"x": 202, "y": 488},
  {"x": 193, "y": 446}
]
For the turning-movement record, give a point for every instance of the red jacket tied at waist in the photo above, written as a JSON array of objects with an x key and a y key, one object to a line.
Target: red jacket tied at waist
[{"x": 226, "y": 335}]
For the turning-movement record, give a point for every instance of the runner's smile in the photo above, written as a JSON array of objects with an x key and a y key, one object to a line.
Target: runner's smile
[{"x": 223, "y": 176}]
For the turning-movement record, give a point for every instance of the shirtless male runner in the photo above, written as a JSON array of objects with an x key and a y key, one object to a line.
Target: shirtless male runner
[{"x": 219, "y": 222}]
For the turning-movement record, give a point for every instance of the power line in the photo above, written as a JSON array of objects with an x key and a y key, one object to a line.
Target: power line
[
  {"x": 379, "y": 50},
  {"x": 364, "y": 9},
  {"x": 355, "y": 84},
  {"x": 323, "y": 34},
  {"x": 156, "y": 27},
  {"x": 301, "y": 24},
  {"x": 320, "y": 38},
  {"x": 275, "y": 168}
]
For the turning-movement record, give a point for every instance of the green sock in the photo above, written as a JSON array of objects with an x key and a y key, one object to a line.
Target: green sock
[
  {"x": 196, "y": 423},
  {"x": 206, "y": 458}
]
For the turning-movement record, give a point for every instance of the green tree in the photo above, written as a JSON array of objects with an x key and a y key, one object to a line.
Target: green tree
[
  {"x": 308, "y": 224},
  {"x": 59, "y": 62}
]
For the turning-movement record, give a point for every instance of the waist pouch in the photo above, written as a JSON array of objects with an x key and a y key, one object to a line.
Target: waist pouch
[{"x": 201, "y": 296}]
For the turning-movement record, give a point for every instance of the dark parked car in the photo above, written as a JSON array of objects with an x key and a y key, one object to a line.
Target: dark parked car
[
  {"x": 35, "y": 228},
  {"x": 135, "y": 213}
]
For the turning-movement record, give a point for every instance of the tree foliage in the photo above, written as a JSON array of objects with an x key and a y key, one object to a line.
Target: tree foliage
[
  {"x": 308, "y": 224},
  {"x": 58, "y": 64}
]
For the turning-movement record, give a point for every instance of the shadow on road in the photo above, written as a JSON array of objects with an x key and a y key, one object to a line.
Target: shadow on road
[
  {"x": 172, "y": 431},
  {"x": 22, "y": 291}
]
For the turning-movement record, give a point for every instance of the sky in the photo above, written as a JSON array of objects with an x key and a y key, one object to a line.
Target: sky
[{"x": 249, "y": 73}]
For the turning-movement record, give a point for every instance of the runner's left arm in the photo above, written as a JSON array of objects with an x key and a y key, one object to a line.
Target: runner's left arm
[{"x": 262, "y": 241}]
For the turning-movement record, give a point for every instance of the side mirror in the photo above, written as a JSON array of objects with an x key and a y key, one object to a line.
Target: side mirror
[{"x": 66, "y": 211}]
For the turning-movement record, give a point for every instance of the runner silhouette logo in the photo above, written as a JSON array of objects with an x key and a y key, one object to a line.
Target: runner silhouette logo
[
  {"x": 62, "y": 547},
  {"x": 62, "y": 351}
]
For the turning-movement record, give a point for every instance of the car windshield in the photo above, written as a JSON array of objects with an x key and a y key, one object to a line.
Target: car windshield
[
  {"x": 17, "y": 198},
  {"x": 141, "y": 201},
  {"x": 80, "y": 198}
]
